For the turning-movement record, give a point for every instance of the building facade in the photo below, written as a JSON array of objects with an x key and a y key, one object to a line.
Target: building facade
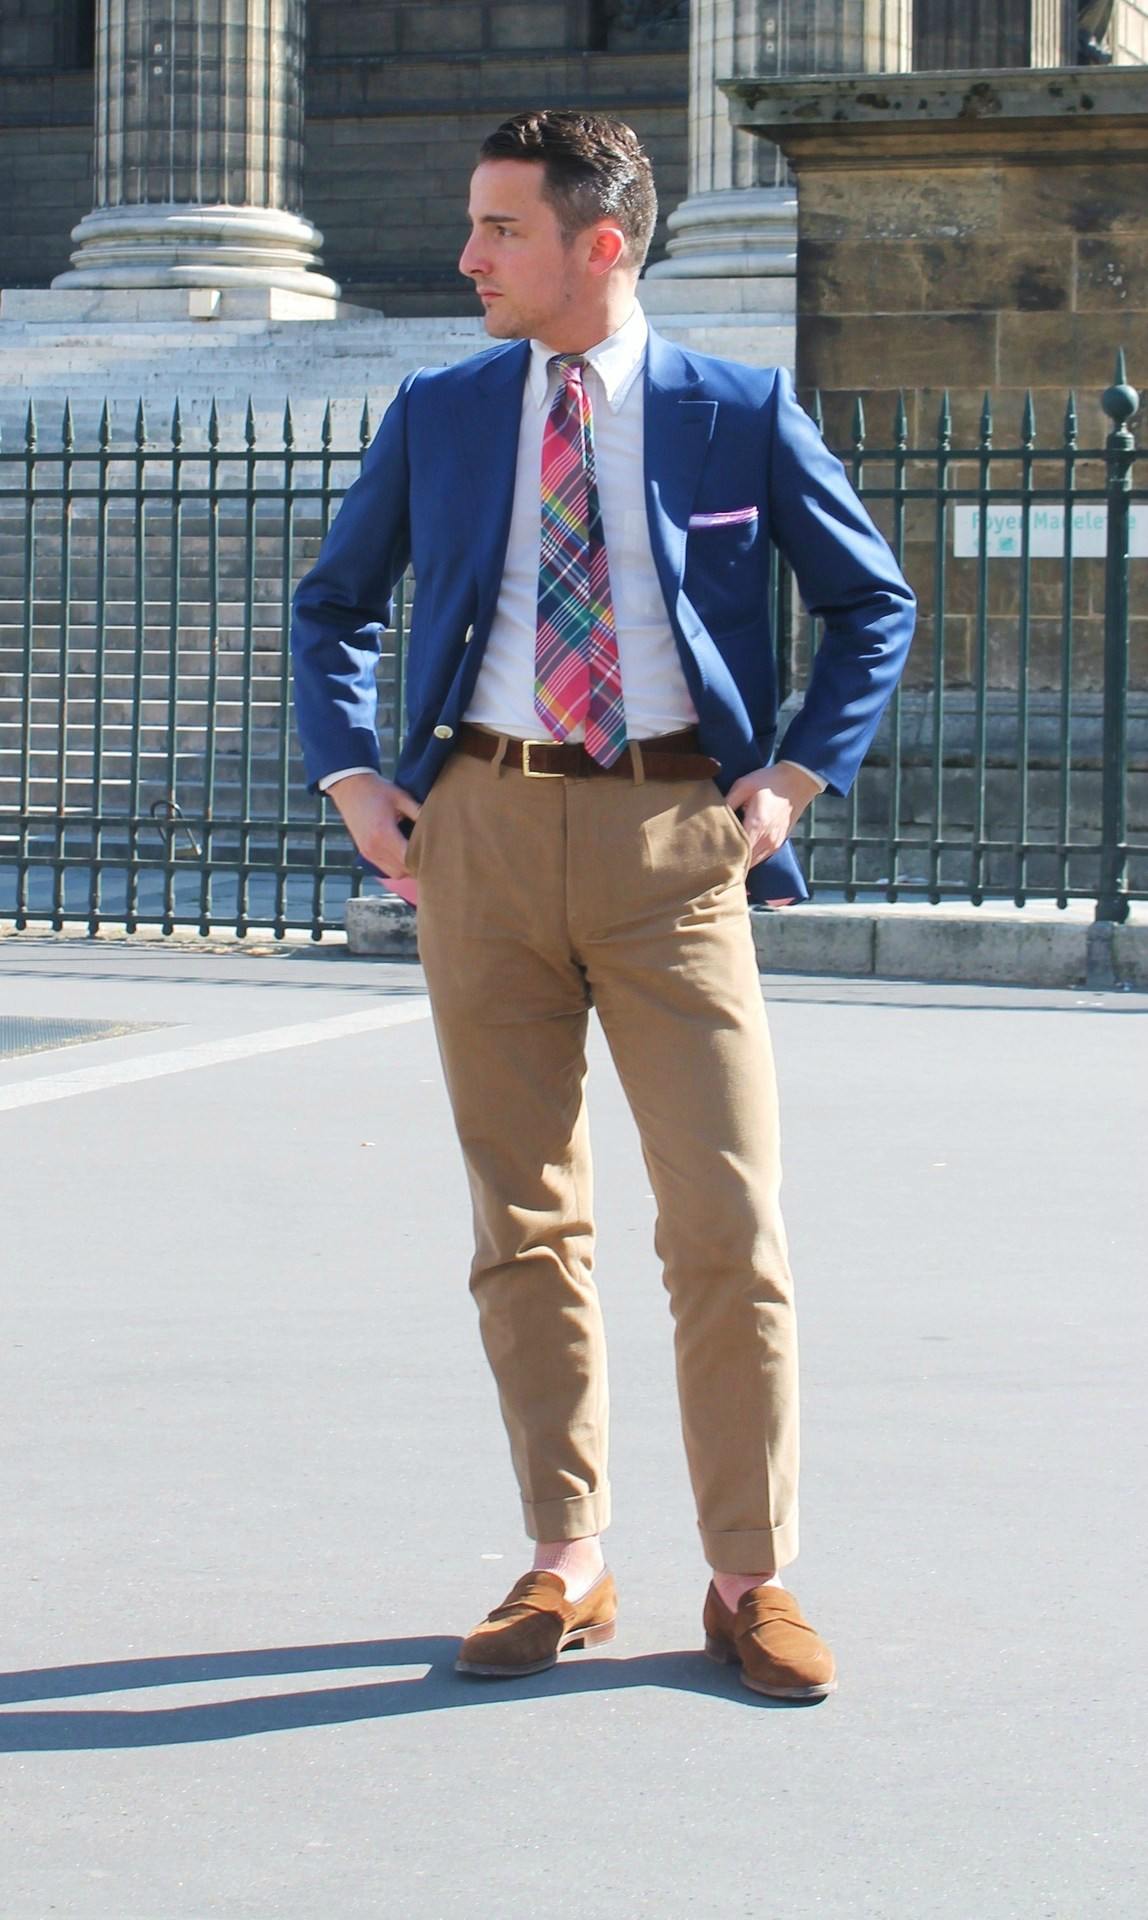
[{"x": 398, "y": 94}]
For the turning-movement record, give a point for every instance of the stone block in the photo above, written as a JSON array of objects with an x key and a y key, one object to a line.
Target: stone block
[
  {"x": 945, "y": 274},
  {"x": 912, "y": 946},
  {"x": 381, "y": 927},
  {"x": 910, "y": 203},
  {"x": 916, "y": 349},
  {"x": 1112, "y": 273},
  {"x": 541, "y": 23},
  {"x": 813, "y": 939},
  {"x": 1089, "y": 199},
  {"x": 1081, "y": 346},
  {"x": 846, "y": 277}
]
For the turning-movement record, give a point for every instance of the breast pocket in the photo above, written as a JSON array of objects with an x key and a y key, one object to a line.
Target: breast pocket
[{"x": 725, "y": 566}]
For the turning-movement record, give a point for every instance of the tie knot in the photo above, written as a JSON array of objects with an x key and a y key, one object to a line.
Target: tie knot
[{"x": 568, "y": 364}]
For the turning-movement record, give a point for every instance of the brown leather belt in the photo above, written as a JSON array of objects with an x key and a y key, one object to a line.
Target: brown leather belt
[{"x": 673, "y": 756}]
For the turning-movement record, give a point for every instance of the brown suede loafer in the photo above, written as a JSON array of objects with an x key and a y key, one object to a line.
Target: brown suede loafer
[
  {"x": 535, "y": 1623},
  {"x": 776, "y": 1648}
]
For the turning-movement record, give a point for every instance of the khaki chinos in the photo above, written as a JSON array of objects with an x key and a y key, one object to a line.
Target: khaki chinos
[{"x": 537, "y": 898}]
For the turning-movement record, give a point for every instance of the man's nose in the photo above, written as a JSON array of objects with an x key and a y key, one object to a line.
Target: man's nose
[{"x": 470, "y": 259}]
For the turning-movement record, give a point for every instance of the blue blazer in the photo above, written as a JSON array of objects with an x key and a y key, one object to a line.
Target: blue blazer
[{"x": 436, "y": 490}]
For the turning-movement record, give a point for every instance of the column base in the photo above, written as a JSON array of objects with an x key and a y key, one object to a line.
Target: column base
[
  {"x": 737, "y": 232},
  {"x": 182, "y": 246}
]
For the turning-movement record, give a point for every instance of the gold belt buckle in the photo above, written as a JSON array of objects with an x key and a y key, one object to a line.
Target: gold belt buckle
[{"x": 536, "y": 773}]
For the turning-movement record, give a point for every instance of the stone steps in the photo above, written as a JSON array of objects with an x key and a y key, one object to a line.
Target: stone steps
[{"x": 232, "y": 360}]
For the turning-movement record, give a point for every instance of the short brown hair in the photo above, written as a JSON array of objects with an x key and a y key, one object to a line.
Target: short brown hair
[{"x": 594, "y": 167}]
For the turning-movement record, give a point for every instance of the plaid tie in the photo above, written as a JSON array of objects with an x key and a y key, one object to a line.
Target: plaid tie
[{"x": 577, "y": 676}]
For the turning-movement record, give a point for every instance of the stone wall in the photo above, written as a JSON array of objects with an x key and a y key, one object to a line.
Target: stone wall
[
  {"x": 398, "y": 98},
  {"x": 392, "y": 133},
  {"x": 46, "y": 165},
  {"x": 28, "y": 34}
]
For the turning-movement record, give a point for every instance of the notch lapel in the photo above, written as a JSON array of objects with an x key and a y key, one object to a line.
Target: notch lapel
[
  {"x": 489, "y": 427},
  {"x": 678, "y": 431}
]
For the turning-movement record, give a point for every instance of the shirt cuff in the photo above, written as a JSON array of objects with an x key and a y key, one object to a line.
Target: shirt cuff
[
  {"x": 329, "y": 779},
  {"x": 807, "y": 771}
]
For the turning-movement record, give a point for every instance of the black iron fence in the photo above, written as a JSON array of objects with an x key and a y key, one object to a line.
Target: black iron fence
[{"x": 148, "y": 768}]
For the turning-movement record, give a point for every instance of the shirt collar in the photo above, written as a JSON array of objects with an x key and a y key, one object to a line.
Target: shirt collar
[{"x": 617, "y": 361}]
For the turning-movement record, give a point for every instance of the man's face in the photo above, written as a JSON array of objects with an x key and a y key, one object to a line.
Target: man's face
[{"x": 529, "y": 282}]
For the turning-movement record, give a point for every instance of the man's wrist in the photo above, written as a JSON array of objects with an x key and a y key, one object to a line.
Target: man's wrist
[
  {"x": 816, "y": 782},
  {"x": 330, "y": 780}
]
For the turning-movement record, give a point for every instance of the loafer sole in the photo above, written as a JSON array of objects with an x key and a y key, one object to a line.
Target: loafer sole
[
  {"x": 726, "y": 1656},
  {"x": 578, "y": 1637}
]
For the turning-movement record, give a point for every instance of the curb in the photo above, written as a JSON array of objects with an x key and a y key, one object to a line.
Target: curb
[
  {"x": 892, "y": 944},
  {"x": 974, "y": 946}
]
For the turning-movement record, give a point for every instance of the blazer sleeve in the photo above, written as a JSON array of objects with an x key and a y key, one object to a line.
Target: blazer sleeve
[
  {"x": 848, "y": 578},
  {"x": 342, "y": 607}
]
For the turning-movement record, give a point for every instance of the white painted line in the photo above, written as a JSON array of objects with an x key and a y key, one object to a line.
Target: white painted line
[{"x": 212, "y": 1053}]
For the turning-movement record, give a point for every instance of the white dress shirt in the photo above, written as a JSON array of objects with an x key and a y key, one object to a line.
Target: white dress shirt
[
  {"x": 654, "y": 687},
  {"x": 654, "y": 690}
]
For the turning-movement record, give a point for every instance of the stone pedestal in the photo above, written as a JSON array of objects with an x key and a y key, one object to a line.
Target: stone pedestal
[
  {"x": 198, "y": 150},
  {"x": 964, "y": 231},
  {"x": 740, "y": 219}
]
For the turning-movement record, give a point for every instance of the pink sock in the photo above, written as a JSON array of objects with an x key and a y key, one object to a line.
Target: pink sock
[{"x": 577, "y": 1562}]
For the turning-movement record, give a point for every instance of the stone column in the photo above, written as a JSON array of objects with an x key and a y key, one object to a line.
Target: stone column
[
  {"x": 198, "y": 149},
  {"x": 741, "y": 215},
  {"x": 994, "y": 33}
]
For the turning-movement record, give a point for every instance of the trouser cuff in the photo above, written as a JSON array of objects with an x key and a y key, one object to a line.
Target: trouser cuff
[
  {"x": 765, "y": 1550},
  {"x": 567, "y": 1519}
]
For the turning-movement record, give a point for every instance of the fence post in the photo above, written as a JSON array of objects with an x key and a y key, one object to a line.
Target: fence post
[{"x": 1120, "y": 403}]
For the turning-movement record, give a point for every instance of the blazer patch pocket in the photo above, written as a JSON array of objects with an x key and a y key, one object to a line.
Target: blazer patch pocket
[{"x": 731, "y": 517}]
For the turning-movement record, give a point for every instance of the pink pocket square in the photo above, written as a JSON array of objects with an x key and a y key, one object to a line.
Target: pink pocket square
[{"x": 732, "y": 517}]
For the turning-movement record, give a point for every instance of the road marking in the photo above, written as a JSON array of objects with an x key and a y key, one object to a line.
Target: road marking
[{"x": 211, "y": 1053}]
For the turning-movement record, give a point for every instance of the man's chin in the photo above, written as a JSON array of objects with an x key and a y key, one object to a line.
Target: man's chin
[{"x": 499, "y": 325}]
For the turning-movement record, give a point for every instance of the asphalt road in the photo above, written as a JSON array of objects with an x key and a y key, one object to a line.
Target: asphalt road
[{"x": 255, "y": 1484}]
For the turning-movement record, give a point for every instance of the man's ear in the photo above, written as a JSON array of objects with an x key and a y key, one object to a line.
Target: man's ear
[{"x": 607, "y": 245}]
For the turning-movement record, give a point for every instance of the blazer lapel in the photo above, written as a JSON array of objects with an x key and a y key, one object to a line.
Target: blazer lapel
[
  {"x": 678, "y": 432},
  {"x": 489, "y": 427}
]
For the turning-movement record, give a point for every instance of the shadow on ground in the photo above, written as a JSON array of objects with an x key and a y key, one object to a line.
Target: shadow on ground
[{"x": 64, "y": 1729}]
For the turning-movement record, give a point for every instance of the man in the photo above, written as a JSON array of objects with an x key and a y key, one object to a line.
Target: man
[{"x": 591, "y": 707}]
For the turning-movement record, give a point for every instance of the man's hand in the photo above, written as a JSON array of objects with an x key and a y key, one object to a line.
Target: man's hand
[
  {"x": 372, "y": 808},
  {"x": 771, "y": 803}
]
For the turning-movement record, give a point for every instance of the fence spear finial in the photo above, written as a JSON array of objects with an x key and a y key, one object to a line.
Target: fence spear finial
[
  {"x": 901, "y": 421},
  {"x": 1071, "y": 424}
]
